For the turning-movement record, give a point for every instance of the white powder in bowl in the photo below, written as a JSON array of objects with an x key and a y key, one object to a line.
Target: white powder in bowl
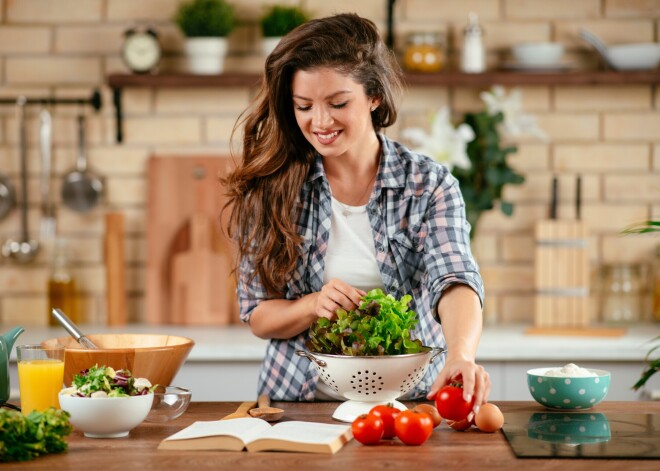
[{"x": 570, "y": 371}]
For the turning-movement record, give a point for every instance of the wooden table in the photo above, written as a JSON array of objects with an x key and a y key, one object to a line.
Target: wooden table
[{"x": 445, "y": 450}]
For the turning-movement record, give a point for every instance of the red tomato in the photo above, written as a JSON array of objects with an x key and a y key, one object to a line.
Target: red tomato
[
  {"x": 413, "y": 427},
  {"x": 388, "y": 414},
  {"x": 368, "y": 429},
  {"x": 450, "y": 403}
]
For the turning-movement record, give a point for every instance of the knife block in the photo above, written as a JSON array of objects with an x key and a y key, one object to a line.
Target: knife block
[{"x": 561, "y": 274}]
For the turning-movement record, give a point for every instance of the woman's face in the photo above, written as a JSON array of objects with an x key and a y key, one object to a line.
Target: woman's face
[{"x": 333, "y": 112}]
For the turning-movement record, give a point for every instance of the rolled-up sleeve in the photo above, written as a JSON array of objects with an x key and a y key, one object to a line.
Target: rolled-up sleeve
[
  {"x": 250, "y": 292},
  {"x": 448, "y": 257}
]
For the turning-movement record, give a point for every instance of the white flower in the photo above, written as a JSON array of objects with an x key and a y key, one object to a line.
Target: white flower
[
  {"x": 516, "y": 122},
  {"x": 445, "y": 144}
]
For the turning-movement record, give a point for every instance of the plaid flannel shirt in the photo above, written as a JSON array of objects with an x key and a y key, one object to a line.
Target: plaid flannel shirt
[{"x": 422, "y": 243}]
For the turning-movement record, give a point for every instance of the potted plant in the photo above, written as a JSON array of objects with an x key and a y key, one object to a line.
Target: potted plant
[
  {"x": 276, "y": 22},
  {"x": 205, "y": 24}
]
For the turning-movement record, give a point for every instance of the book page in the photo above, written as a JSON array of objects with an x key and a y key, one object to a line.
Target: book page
[
  {"x": 245, "y": 429},
  {"x": 300, "y": 436}
]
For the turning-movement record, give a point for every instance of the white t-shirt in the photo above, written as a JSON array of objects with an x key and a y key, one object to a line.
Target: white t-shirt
[{"x": 351, "y": 255}]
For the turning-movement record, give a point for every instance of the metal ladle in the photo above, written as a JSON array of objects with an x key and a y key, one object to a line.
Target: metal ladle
[
  {"x": 82, "y": 190},
  {"x": 24, "y": 250},
  {"x": 72, "y": 329}
]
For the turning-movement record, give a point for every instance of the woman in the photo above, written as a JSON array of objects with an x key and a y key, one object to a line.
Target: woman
[{"x": 325, "y": 208}]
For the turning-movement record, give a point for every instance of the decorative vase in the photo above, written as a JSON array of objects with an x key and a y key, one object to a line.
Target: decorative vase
[
  {"x": 206, "y": 56},
  {"x": 268, "y": 44}
]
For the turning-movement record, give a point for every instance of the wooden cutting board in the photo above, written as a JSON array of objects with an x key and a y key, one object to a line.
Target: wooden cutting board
[{"x": 182, "y": 189}]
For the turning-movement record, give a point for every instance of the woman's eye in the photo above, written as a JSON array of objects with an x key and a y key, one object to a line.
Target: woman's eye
[
  {"x": 303, "y": 108},
  {"x": 339, "y": 105}
]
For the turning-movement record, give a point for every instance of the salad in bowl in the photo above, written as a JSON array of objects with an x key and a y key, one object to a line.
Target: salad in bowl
[{"x": 107, "y": 403}]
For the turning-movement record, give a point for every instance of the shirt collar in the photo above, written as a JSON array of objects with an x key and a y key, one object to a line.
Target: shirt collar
[{"x": 391, "y": 173}]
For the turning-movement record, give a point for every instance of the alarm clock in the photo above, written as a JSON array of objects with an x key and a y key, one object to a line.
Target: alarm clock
[{"x": 141, "y": 50}]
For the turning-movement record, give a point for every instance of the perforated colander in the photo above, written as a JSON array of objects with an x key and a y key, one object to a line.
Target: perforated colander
[{"x": 368, "y": 380}]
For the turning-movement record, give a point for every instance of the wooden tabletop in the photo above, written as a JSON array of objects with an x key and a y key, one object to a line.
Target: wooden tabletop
[{"x": 445, "y": 450}]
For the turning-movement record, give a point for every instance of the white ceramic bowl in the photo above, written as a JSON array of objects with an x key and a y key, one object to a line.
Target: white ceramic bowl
[
  {"x": 538, "y": 53},
  {"x": 106, "y": 417},
  {"x": 640, "y": 56}
]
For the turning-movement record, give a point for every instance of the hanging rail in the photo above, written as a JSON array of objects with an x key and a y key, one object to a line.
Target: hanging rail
[{"x": 94, "y": 101}]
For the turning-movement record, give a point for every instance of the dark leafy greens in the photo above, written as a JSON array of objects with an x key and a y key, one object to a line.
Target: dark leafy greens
[
  {"x": 23, "y": 438},
  {"x": 381, "y": 325}
]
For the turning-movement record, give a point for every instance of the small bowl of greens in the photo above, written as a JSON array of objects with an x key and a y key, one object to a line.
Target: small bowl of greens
[
  {"x": 104, "y": 403},
  {"x": 368, "y": 355}
]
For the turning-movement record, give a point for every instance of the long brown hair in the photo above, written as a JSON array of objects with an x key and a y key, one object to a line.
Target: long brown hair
[{"x": 276, "y": 158}]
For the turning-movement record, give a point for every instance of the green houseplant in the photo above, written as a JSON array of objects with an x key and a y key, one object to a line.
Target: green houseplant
[
  {"x": 206, "y": 25},
  {"x": 276, "y": 22},
  {"x": 652, "y": 363},
  {"x": 474, "y": 151}
]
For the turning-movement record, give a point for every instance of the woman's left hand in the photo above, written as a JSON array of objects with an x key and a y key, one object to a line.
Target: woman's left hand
[{"x": 475, "y": 379}]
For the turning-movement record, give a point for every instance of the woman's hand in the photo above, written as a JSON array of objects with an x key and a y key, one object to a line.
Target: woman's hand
[
  {"x": 334, "y": 295},
  {"x": 475, "y": 379}
]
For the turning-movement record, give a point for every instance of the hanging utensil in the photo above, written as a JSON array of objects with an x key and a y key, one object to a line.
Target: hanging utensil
[
  {"x": 73, "y": 329},
  {"x": 82, "y": 190},
  {"x": 48, "y": 222},
  {"x": 7, "y": 196},
  {"x": 24, "y": 250}
]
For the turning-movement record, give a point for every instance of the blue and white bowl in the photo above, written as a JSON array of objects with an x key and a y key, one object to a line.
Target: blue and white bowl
[{"x": 556, "y": 392}]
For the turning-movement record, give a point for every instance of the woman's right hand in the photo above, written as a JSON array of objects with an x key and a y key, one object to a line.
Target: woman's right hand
[{"x": 334, "y": 295}]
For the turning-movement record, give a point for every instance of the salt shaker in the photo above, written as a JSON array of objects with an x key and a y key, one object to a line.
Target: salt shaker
[{"x": 473, "y": 59}]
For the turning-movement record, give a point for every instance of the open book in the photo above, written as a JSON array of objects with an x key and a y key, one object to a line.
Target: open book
[{"x": 258, "y": 435}]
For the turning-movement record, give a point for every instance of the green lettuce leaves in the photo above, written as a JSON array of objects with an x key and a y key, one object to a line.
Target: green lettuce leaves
[
  {"x": 23, "y": 438},
  {"x": 381, "y": 325}
]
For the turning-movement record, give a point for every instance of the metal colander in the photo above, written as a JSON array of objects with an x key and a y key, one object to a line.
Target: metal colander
[{"x": 372, "y": 378}]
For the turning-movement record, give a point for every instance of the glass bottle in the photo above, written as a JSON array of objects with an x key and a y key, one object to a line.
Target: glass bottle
[
  {"x": 622, "y": 294},
  {"x": 62, "y": 285},
  {"x": 423, "y": 52},
  {"x": 473, "y": 57}
]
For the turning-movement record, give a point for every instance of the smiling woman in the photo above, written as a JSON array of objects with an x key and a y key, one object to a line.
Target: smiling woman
[{"x": 325, "y": 208}]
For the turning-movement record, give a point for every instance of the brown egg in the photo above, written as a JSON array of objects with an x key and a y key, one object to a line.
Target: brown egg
[
  {"x": 489, "y": 418},
  {"x": 461, "y": 425},
  {"x": 430, "y": 410}
]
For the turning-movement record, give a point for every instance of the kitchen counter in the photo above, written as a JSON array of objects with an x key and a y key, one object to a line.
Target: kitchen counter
[
  {"x": 498, "y": 343},
  {"x": 446, "y": 449},
  {"x": 224, "y": 364}
]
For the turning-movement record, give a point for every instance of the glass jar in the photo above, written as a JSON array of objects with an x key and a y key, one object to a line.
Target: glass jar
[
  {"x": 423, "y": 52},
  {"x": 622, "y": 294}
]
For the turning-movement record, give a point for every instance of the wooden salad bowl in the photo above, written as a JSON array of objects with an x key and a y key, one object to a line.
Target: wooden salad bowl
[{"x": 155, "y": 357}]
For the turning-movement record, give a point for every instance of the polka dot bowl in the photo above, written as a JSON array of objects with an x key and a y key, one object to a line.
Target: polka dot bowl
[{"x": 576, "y": 393}]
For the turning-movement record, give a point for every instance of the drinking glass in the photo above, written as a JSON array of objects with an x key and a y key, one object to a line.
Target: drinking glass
[{"x": 40, "y": 376}]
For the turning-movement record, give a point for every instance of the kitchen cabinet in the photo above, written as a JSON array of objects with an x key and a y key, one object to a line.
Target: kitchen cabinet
[
  {"x": 441, "y": 79},
  {"x": 225, "y": 362}
]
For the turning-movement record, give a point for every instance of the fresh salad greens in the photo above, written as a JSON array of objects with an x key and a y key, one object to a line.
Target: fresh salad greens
[
  {"x": 104, "y": 381},
  {"x": 25, "y": 437},
  {"x": 381, "y": 325}
]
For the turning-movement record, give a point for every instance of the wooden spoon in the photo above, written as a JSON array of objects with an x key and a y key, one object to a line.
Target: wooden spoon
[
  {"x": 264, "y": 411},
  {"x": 242, "y": 410}
]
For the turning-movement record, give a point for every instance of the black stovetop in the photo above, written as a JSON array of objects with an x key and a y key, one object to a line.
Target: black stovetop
[{"x": 583, "y": 435}]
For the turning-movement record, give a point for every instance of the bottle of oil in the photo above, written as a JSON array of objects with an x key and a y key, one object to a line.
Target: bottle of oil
[{"x": 62, "y": 285}]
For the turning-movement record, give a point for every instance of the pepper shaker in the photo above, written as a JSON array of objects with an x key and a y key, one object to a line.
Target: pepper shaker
[{"x": 473, "y": 59}]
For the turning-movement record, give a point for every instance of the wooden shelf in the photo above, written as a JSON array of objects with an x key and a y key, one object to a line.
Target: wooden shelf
[{"x": 441, "y": 79}]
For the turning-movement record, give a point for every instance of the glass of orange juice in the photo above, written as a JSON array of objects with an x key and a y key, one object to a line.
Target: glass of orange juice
[{"x": 40, "y": 376}]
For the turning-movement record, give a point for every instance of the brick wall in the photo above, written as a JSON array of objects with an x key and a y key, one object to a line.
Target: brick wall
[{"x": 65, "y": 48}]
